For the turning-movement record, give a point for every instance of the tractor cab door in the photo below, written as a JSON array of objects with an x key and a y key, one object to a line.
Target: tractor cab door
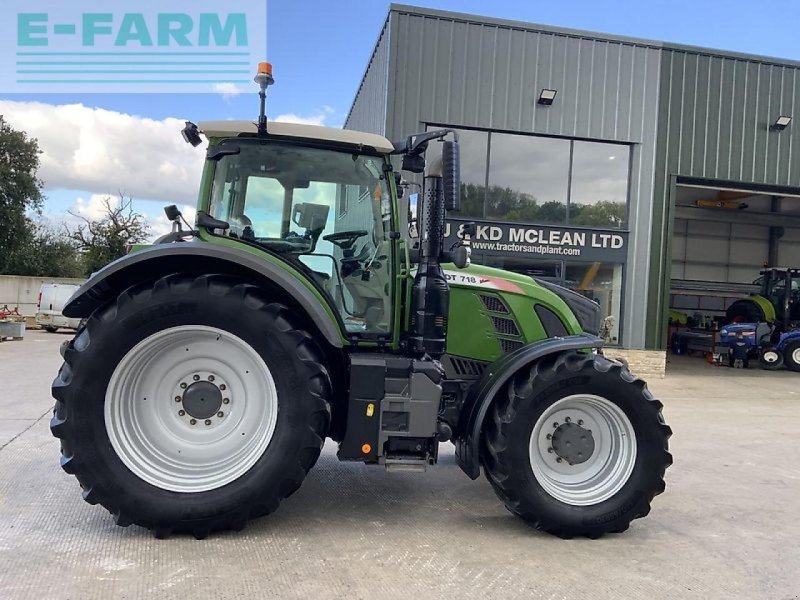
[
  {"x": 355, "y": 257},
  {"x": 329, "y": 212}
]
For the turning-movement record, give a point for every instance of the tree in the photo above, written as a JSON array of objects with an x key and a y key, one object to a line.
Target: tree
[
  {"x": 105, "y": 239},
  {"x": 20, "y": 192},
  {"x": 600, "y": 214},
  {"x": 553, "y": 212},
  {"x": 47, "y": 253}
]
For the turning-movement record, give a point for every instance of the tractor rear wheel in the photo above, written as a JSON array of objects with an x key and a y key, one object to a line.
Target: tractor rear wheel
[
  {"x": 745, "y": 311},
  {"x": 190, "y": 405},
  {"x": 577, "y": 446},
  {"x": 791, "y": 354}
]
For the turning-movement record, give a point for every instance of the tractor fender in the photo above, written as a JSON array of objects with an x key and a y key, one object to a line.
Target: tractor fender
[
  {"x": 483, "y": 392},
  {"x": 164, "y": 259}
]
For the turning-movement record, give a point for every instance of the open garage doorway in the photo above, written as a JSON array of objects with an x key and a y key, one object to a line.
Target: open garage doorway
[{"x": 723, "y": 237}]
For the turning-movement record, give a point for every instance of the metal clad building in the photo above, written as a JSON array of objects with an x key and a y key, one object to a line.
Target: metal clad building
[{"x": 636, "y": 129}]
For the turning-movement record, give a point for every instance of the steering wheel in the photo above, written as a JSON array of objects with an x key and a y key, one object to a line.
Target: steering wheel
[{"x": 345, "y": 239}]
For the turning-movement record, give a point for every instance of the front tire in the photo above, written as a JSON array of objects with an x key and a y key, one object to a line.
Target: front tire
[
  {"x": 791, "y": 354},
  {"x": 576, "y": 446},
  {"x": 770, "y": 358},
  {"x": 191, "y": 405}
]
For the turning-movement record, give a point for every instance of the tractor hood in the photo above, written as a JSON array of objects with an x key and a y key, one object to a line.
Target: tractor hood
[{"x": 584, "y": 310}]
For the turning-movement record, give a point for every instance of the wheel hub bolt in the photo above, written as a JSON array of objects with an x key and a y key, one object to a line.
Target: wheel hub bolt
[
  {"x": 177, "y": 398},
  {"x": 567, "y": 419},
  {"x": 559, "y": 459},
  {"x": 196, "y": 377},
  {"x": 222, "y": 386},
  {"x": 181, "y": 412},
  {"x": 183, "y": 385},
  {"x": 580, "y": 421},
  {"x": 550, "y": 450},
  {"x": 555, "y": 424},
  {"x": 211, "y": 378},
  {"x": 549, "y": 437},
  {"x": 208, "y": 421},
  {"x": 220, "y": 414},
  {"x": 226, "y": 400},
  {"x": 193, "y": 422}
]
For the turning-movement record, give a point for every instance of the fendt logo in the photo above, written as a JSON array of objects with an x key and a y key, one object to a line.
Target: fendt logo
[{"x": 177, "y": 46}]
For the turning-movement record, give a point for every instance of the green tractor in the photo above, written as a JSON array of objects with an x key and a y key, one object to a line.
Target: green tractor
[
  {"x": 777, "y": 302},
  {"x": 213, "y": 365}
]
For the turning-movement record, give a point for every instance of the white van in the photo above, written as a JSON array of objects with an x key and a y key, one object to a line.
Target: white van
[{"x": 52, "y": 299}]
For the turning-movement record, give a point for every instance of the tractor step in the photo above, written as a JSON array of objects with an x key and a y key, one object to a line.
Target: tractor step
[{"x": 418, "y": 465}]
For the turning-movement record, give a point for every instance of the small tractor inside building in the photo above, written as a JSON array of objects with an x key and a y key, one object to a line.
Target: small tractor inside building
[{"x": 214, "y": 364}]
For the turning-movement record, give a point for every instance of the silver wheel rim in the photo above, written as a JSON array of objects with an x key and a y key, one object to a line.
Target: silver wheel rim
[
  {"x": 796, "y": 356},
  {"x": 770, "y": 356},
  {"x": 609, "y": 465},
  {"x": 152, "y": 431}
]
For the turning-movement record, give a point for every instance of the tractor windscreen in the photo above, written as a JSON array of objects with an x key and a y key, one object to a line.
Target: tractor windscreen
[{"x": 289, "y": 198}]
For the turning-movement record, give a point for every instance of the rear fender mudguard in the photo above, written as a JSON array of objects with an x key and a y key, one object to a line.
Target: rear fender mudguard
[
  {"x": 200, "y": 257},
  {"x": 482, "y": 393}
]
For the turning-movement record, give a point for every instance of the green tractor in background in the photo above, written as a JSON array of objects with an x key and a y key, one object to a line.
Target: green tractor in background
[
  {"x": 214, "y": 364},
  {"x": 777, "y": 302}
]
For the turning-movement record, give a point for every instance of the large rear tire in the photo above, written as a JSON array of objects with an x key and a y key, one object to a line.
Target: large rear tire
[
  {"x": 190, "y": 405},
  {"x": 745, "y": 311},
  {"x": 576, "y": 446}
]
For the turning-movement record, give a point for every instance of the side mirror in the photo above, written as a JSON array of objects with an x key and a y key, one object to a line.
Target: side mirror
[
  {"x": 461, "y": 257},
  {"x": 172, "y": 212},
  {"x": 451, "y": 178}
]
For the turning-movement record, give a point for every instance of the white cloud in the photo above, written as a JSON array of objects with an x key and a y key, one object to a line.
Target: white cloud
[
  {"x": 93, "y": 208},
  {"x": 227, "y": 89},
  {"x": 318, "y": 117},
  {"x": 105, "y": 152}
]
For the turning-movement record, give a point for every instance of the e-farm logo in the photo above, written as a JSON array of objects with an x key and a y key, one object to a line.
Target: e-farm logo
[{"x": 92, "y": 46}]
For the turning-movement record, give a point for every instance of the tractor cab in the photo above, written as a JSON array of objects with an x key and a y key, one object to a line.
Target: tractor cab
[
  {"x": 324, "y": 205},
  {"x": 781, "y": 287}
]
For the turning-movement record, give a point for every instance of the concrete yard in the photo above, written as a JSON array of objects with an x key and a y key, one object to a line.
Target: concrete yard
[{"x": 727, "y": 526}]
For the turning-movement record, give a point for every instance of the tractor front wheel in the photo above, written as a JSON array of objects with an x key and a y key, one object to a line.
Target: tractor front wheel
[
  {"x": 190, "y": 404},
  {"x": 791, "y": 353},
  {"x": 770, "y": 358},
  {"x": 577, "y": 446}
]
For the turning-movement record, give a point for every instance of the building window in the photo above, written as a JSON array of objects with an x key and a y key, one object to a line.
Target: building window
[
  {"x": 528, "y": 178},
  {"x": 474, "y": 147},
  {"x": 599, "y": 185},
  {"x": 535, "y": 179}
]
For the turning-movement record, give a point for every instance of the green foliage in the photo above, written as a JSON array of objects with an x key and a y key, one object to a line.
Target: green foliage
[
  {"x": 511, "y": 205},
  {"x": 47, "y": 253},
  {"x": 600, "y": 214},
  {"x": 20, "y": 192}
]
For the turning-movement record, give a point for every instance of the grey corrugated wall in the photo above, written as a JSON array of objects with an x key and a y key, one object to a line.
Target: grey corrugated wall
[
  {"x": 714, "y": 118},
  {"x": 464, "y": 71},
  {"x": 368, "y": 112}
]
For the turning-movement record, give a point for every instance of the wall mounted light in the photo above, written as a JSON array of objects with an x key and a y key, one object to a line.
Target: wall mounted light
[
  {"x": 781, "y": 123},
  {"x": 546, "y": 97}
]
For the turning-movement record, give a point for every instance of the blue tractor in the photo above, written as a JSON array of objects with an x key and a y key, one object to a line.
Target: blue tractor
[{"x": 785, "y": 352}]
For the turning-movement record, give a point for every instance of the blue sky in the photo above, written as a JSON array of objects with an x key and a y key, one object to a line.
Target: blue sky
[{"x": 319, "y": 50}]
